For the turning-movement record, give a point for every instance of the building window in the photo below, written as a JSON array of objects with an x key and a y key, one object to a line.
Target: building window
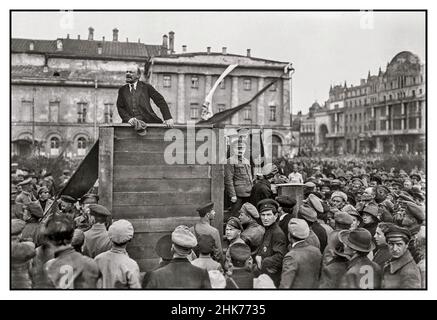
[
  {"x": 81, "y": 146},
  {"x": 54, "y": 146},
  {"x": 53, "y": 111},
  {"x": 108, "y": 112},
  {"x": 222, "y": 84},
  {"x": 81, "y": 112},
  {"x": 26, "y": 110},
  {"x": 194, "y": 111},
  {"x": 336, "y": 106},
  {"x": 383, "y": 125},
  {"x": 166, "y": 81},
  {"x": 272, "y": 113},
  {"x": 195, "y": 82},
  {"x": 247, "y": 84},
  {"x": 397, "y": 124},
  {"x": 248, "y": 113}
]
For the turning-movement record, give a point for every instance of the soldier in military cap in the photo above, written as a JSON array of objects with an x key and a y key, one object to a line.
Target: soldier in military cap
[
  {"x": 83, "y": 220},
  {"x": 180, "y": 273},
  {"x": 67, "y": 207},
  {"x": 401, "y": 272},
  {"x": 203, "y": 227},
  {"x": 274, "y": 245},
  {"x": 25, "y": 196},
  {"x": 242, "y": 276},
  {"x": 69, "y": 269},
  {"x": 97, "y": 238},
  {"x": 263, "y": 186}
]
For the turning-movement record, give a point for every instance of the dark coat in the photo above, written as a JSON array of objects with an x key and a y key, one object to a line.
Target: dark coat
[
  {"x": 321, "y": 234},
  {"x": 402, "y": 273},
  {"x": 301, "y": 267},
  {"x": 179, "y": 274},
  {"x": 332, "y": 272},
  {"x": 382, "y": 255},
  {"x": 260, "y": 191},
  {"x": 31, "y": 232},
  {"x": 360, "y": 273},
  {"x": 40, "y": 279},
  {"x": 141, "y": 98},
  {"x": 272, "y": 251},
  {"x": 241, "y": 277}
]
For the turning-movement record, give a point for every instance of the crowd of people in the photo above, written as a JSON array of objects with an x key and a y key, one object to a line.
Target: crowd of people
[{"x": 348, "y": 224}]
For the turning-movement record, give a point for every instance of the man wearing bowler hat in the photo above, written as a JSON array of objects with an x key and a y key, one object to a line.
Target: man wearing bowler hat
[
  {"x": 97, "y": 238},
  {"x": 361, "y": 272},
  {"x": 203, "y": 227},
  {"x": 274, "y": 246},
  {"x": 180, "y": 273},
  {"x": 401, "y": 272}
]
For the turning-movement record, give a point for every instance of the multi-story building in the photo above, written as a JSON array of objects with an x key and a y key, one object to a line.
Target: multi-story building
[
  {"x": 63, "y": 89},
  {"x": 306, "y": 128},
  {"x": 384, "y": 113}
]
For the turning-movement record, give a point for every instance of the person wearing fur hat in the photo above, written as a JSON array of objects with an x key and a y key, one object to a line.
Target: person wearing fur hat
[
  {"x": 301, "y": 265},
  {"x": 253, "y": 232},
  {"x": 401, "y": 272},
  {"x": 118, "y": 270},
  {"x": 22, "y": 253},
  {"x": 180, "y": 273},
  {"x": 361, "y": 273},
  {"x": 338, "y": 199}
]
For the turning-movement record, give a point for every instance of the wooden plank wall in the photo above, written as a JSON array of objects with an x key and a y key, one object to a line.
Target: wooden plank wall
[{"x": 156, "y": 196}]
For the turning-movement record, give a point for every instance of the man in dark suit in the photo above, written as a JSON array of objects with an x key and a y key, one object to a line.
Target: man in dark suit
[
  {"x": 180, "y": 273},
  {"x": 133, "y": 101}
]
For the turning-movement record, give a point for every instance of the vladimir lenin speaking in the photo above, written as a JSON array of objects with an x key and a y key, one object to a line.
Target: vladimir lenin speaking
[{"x": 133, "y": 102}]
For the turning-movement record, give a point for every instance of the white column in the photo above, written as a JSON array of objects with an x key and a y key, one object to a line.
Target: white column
[
  {"x": 181, "y": 99},
  {"x": 234, "y": 99},
  {"x": 260, "y": 113}
]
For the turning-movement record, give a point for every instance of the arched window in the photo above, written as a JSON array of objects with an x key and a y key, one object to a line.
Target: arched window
[
  {"x": 276, "y": 147},
  {"x": 54, "y": 146},
  {"x": 81, "y": 146}
]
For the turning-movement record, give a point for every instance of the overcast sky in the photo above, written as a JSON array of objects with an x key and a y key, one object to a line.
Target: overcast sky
[{"x": 325, "y": 47}]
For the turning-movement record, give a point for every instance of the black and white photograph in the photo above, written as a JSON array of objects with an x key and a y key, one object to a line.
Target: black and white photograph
[{"x": 218, "y": 150}]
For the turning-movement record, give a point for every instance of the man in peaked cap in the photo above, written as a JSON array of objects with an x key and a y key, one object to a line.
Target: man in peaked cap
[
  {"x": 97, "y": 238},
  {"x": 83, "y": 220},
  {"x": 25, "y": 196},
  {"x": 203, "y": 227},
  {"x": 273, "y": 247},
  {"x": 253, "y": 232},
  {"x": 67, "y": 207},
  {"x": 321, "y": 233},
  {"x": 357, "y": 245},
  {"x": 262, "y": 188},
  {"x": 242, "y": 277},
  {"x": 286, "y": 206},
  {"x": 301, "y": 265},
  {"x": 118, "y": 270},
  {"x": 401, "y": 272},
  {"x": 180, "y": 273}
]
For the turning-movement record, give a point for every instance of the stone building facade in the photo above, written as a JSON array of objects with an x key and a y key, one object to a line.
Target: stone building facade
[
  {"x": 62, "y": 90},
  {"x": 385, "y": 113}
]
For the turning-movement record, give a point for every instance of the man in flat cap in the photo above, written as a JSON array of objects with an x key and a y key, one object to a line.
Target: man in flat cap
[
  {"x": 401, "y": 272},
  {"x": 308, "y": 214},
  {"x": 361, "y": 272},
  {"x": 22, "y": 253},
  {"x": 343, "y": 221},
  {"x": 180, "y": 273},
  {"x": 118, "y": 270},
  {"x": 238, "y": 176},
  {"x": 97, "y": 238},
  {"x": 242, "y": 277},
  {"x": 274, "y": 245},
  {"x": 253, "y": 232},
  {"x": 301, "y": 265},
  {"x": 69, "y": 269},
  {"x": 203, "y": 227}
]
